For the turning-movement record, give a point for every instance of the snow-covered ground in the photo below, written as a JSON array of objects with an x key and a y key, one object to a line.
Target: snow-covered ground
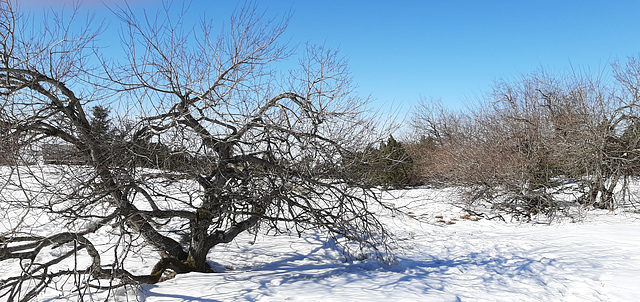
[
  {"x": 443, "y": 255},
  {"x": 597, "y": 259}
]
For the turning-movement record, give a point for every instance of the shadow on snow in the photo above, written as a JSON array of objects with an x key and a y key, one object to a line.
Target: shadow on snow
[{"x": 420, "y": 276}]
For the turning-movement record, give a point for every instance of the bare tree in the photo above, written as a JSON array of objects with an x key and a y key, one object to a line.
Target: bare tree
[
  {"x": 220, "y": 143},
  {"x": 438, "y": 134}
]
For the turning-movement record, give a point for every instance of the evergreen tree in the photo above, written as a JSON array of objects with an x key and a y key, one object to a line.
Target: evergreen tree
[
  {"x": 395, "y": 166},
  {"x": 101, "y": 126}
]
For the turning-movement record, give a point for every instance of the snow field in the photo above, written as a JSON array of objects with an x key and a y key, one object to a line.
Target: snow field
[
  {"x": 485, "y": 260},
  {"x": 444, "y": 254}
]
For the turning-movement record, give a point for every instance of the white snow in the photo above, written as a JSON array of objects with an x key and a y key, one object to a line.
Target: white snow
[
  {"x": 487, "y": 260},
  {"x": 442, "y": 257}
]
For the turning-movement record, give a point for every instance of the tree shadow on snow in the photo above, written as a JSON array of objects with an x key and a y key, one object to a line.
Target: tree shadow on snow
[{"x": 484, "y": 270}]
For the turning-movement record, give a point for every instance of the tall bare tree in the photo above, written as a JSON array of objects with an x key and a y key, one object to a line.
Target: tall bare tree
[{"x": 214, "y": 141}]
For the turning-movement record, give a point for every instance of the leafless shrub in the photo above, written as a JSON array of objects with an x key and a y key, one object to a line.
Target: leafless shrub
[{"x": 536, "y": 134}]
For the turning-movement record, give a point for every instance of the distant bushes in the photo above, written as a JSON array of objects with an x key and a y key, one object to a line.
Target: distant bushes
[
  {"x": 388, "y": 166},
  {"x": 531, "y": 136}
]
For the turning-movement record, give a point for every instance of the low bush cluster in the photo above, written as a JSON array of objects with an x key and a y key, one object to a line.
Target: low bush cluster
[{"x": 531, "y": 136}]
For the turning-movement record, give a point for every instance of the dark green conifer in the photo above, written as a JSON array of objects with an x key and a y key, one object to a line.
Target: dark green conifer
[{"x": 395, "y": 166}]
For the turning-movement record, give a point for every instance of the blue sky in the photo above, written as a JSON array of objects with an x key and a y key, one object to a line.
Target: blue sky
[{"x": 400, "y": 51}]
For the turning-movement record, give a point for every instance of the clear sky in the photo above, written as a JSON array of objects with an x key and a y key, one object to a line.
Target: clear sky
[{"x": 400, "y": 51}]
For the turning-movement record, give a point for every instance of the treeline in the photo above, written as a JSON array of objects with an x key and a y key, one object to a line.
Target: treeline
[
  {"x": 125, "y": 149},
  {"x": 386, "y": 164}
]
